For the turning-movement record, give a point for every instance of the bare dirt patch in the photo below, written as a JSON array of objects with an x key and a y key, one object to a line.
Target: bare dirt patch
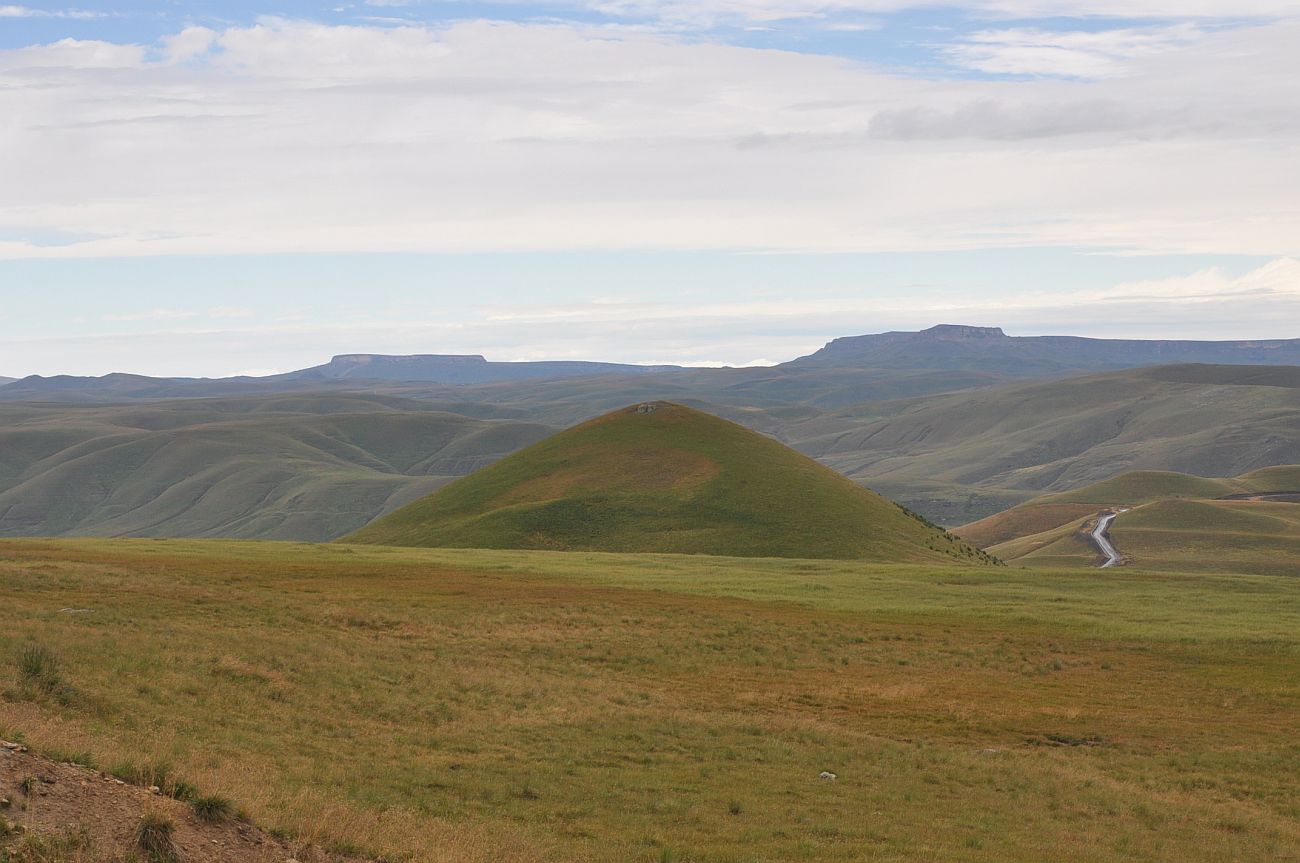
[{"x": 91, "y": 817}]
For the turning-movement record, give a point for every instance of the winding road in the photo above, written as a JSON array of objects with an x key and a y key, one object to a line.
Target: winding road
[{"x": 1103, "y": 541}]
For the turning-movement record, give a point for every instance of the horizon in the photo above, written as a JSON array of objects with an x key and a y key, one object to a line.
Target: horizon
[{"x": 758, "y": 364}]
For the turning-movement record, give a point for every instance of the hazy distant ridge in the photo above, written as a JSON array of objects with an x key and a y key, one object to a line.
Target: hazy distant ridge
[
  {"x": 457, "y": 369},
  {"x": 954, "y": 346}
]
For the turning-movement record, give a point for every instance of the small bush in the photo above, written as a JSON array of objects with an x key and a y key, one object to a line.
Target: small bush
[
  {"x": 154, "y": 837},
  {"x": 213, "y": 808}
]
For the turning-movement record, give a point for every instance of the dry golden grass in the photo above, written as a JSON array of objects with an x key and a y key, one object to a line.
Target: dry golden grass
[{"x": 512, "y": 706}]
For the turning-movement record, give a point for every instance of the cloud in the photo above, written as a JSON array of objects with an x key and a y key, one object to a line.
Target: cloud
[
  {"x": 1080, "y": 53},
  {"x": 705, "y": 13},
  {"x": 291, "y": 136},
  {"x": 28, "y": 12}
]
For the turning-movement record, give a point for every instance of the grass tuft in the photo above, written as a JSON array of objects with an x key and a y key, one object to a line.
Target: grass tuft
[
  {"x": 213, "y": 808},
  {"x": 66, "y": 847},
  {"x": 153, "y": 836},
  {"x": 39, "y": 670}
]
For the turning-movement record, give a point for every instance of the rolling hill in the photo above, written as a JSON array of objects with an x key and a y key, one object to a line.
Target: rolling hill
[
  {"x": 1167, "y": 520},
  {"x": 962, "y": 456},
  {"x": 281, "y": 466},
  {"x": 302, "y": 467},
  {"x": 661, "y": 477}
]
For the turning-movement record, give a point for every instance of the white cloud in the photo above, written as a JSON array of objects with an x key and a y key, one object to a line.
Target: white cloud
[
  {"x": 711, "y": 12},
  {"x": 289, "y": 136},
  {"x": 29, "y": 12},
  {"x": 1081, "y": 53}
]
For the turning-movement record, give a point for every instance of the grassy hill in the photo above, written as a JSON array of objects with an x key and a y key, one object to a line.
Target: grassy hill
[
  {"x": 531, "y": 707},
  {"x": 286, "y": 466},
  {"x": 664, "y": 478},
  {"x": 1173, "y": 521},
  {"x": 961, "y": 456},
  {"x": 304, "y": 467}
]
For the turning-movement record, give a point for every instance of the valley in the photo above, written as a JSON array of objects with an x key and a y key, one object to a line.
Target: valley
[{"x": 317, "y": 464}]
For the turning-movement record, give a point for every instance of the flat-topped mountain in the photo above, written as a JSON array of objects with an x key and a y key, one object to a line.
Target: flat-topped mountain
[
  {"x": 457, "y": 369},
  {"x": 952, "y": 346},
  {"x": 660, "y": 477}
]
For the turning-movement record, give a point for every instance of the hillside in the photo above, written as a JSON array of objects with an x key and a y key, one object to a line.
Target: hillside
[
  {"x": 1249, "y": 523},
  {"x": 962, "y": 456},
  {"x": 290, "y": 466},
  {"x": 300, "y": 467},
  {"x": 661, "y": 477}
]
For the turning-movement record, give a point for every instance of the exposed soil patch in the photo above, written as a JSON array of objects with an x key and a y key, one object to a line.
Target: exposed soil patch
[{"x": 93, "y": 817}]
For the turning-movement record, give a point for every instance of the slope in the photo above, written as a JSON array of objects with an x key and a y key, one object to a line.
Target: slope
[
  {"x": 1249, "y": 523},
  {"x": 665, "y": 478},
  {"x": 295, "y": 467},
  {"x": 996, "y": 444}
]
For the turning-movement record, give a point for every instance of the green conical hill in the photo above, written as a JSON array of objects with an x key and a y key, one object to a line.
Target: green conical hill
[{"x": 665, "y": 478}]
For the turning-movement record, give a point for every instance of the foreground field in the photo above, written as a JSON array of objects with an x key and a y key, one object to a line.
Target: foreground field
[{"x": 469, "y": 705}]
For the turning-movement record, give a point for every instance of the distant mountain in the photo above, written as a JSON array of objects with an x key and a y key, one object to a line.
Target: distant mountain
[
  {"x": 4, "y": 381},
  {"x": 660, "y": 477},
  {"x": 457, "y": 369},
  {"x": 989, "y": 349},
  {"x": 846, "y": 371}
]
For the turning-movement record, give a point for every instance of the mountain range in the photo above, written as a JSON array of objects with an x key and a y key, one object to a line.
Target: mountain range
[{"x": 973, "y": 351}]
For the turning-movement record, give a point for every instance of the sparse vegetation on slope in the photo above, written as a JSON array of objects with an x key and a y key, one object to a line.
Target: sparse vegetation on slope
[{"x": 666, "y": 478}]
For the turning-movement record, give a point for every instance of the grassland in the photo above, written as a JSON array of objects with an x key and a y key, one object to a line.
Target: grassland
[
  {"x": 314, "y": 465},
  {"x": 309, "y": 467},
  {"x": 521, "y": 706},
  {"x": 666, "y": 478},
  {"x": 1171, "y": 521}
]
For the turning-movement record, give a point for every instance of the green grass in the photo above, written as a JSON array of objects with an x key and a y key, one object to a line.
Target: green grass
[
  {"x": 1174, "y": 522},
  {"x": 672, "y": 480},
  {"x": 153, "y": 836},
  {"x": 307, "y": 467},
  {"x": 1144, "y": 486},
  {"x": 538, "y": 706}
]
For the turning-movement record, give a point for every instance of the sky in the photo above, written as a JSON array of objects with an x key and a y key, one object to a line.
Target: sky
[{"x": 247, "y": 187}]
